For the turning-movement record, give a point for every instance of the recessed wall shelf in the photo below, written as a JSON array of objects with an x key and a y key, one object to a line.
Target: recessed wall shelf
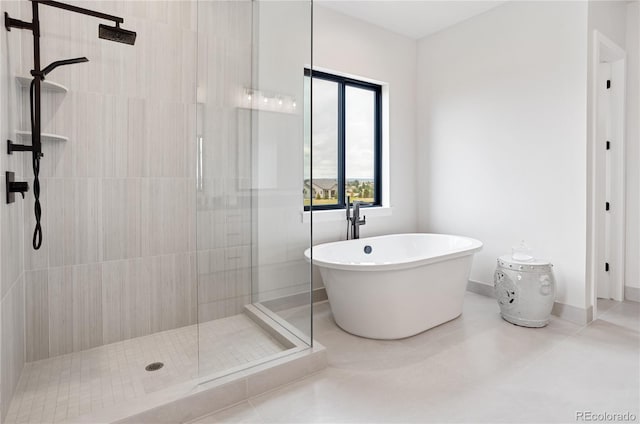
[
  {"x": 26, "y": 135},
  {"x": 46, "y": 85}
]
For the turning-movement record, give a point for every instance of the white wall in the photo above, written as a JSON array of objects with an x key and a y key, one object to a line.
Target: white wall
[
  {"x": 501, "y": 133},
  {"x": 632, "y": 273},
  {"x": 609, "y": 17},
  {"x": 347, "y": 45},
  {"x": 344, "y": 45}
]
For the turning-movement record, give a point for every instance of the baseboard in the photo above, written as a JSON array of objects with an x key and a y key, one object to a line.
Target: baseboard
[
  {"x": 632, "y": 293},
  {"x": 561, "y": 310},
  {"x": 573, "y": 313},
  {"x": 480, "y": 288}
]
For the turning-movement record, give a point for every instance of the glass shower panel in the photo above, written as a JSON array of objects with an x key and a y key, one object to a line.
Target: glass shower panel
[
  {"x": 281, "y": 279},
  {"x": 223, "y": 199},
  {"x": 249, "y": 162}
]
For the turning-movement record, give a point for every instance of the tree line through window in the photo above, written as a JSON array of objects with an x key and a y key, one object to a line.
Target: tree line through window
[{"x": 346, "y": 142}]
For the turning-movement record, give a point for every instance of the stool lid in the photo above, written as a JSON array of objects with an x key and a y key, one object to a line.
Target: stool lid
[{"x": 508, "y": 260}]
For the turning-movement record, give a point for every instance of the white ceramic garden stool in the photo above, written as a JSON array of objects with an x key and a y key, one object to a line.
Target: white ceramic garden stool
[{"x": 525, "y": 290}]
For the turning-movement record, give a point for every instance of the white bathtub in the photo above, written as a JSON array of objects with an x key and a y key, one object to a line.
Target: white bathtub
[{"x": 407, "y": 284}]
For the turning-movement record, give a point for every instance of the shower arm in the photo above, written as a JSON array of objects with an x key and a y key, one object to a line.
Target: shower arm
[
  {"x": 35, "y": 27},
  {"x": 81, "y": 10}
]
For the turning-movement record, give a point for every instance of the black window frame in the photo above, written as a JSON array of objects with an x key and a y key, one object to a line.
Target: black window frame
[{"x": 343, "y": 83}]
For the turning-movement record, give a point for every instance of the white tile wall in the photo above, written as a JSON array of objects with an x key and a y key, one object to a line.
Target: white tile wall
[
  {"x": 121, "y": 218},
  {"x": 78, "y": 307},
  {"x": 87, "y": 306},
  {"x": 12, "y": 300},
  {"x": 36, "y": 314},
  {"x": 60, "y": 290},
  {"x": 136, "y": 313},
  {"x": 12, "y": 351},
  {"x": 113, "y": 278}
]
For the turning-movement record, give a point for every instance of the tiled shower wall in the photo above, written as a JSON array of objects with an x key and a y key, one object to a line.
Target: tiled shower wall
[
  {"x": 12, "y": 353},
  {"x": 118, "y": 258}
]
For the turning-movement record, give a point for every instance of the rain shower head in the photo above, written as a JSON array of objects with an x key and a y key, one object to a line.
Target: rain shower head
[{"x": 117, "y": 34}]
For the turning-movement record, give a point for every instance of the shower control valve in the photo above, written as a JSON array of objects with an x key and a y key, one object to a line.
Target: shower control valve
[{"x": 14, "y": 187}]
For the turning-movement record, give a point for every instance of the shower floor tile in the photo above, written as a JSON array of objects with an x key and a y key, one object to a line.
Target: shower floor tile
[{"x": 67, "y": 386}]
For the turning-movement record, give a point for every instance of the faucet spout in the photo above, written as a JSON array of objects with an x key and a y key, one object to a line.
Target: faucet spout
[{"x": 356, "y": 222}]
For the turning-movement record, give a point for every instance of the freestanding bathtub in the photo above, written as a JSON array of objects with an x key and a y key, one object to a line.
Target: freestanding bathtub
[{"x": 395, "y": 286}]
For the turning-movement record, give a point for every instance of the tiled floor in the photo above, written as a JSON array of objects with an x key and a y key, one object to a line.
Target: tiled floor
[
  {"x": 477, "y": 368},
  {"x": 71, "y": 385}
]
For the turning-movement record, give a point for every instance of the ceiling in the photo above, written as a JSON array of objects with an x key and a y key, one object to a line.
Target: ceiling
[{"x": 414, "y": 19}]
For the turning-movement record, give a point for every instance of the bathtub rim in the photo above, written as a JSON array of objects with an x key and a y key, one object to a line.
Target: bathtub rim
[{"x": 476, "y": 246}]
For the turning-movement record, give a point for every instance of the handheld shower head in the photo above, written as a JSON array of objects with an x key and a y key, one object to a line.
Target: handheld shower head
[
  {"x": 54, "y": 65},
  {"x": 117, "y": 34}
]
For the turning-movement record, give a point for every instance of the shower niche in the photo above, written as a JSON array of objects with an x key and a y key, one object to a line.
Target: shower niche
[{"x": 48, "y": 88}]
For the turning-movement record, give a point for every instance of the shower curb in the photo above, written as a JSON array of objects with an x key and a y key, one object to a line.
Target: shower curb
[{"x": 206, "y": 399}]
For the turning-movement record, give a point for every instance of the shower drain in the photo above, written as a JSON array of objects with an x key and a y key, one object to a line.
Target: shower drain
[{"x": 154, "y": 366}]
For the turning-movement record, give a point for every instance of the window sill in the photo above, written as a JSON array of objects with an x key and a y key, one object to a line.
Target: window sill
[{"x": 336, "y": 215}]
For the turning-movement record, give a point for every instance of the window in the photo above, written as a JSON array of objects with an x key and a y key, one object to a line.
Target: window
[{"x": 347, "y": 142}]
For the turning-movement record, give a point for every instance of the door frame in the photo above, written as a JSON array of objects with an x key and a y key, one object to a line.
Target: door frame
[{"x": 605, "y": 50}]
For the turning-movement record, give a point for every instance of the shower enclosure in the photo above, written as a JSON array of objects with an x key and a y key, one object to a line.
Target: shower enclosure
[{"x": 171, "y": 197}]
